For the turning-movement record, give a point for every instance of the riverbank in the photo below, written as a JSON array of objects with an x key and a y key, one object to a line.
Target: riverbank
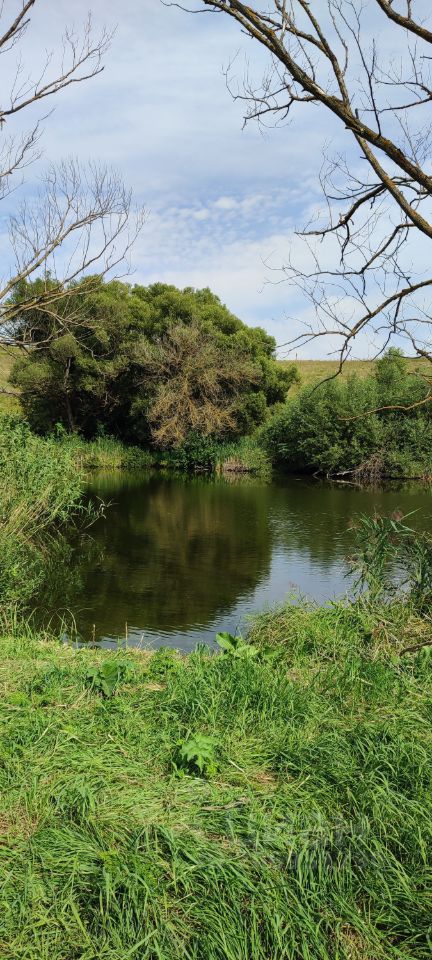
[
  {"x": 272, "y": 802},
  {"x": 243, "y": 456},
  {"x": 275, "y": 805}
]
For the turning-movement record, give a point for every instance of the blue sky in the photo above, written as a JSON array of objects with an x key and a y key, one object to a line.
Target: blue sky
[{"x": 223, "y": 202}]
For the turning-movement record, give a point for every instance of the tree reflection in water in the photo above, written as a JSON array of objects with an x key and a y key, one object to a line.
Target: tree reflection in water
[
  {"x": 178, "y": 558},
  {"x": 171, "y": 554}
]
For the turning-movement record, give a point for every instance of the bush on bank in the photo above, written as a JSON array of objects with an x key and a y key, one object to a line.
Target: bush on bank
[
  {"x": 151, "y": 365},
  {"x": 330, "y": 429}
]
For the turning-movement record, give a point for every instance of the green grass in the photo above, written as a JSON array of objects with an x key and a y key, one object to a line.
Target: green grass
[
  {"x": 243, "y": 456},
  {"x": 105, "y": 453},
  {"x": 307, "y": 838},
  {"x": 40, "y": 490},
  {"x": 312, "y": 371},
  {"x": 7, "y": 404}
]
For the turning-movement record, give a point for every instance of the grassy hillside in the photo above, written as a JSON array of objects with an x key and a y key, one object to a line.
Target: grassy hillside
[{"x": 312, "y": 371}]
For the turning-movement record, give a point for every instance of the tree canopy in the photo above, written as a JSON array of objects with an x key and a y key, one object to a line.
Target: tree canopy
[{"x": 148, "y": 364}]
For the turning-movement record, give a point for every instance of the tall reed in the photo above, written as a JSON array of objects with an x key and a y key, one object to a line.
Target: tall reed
[{"x": 40, "y": 490}]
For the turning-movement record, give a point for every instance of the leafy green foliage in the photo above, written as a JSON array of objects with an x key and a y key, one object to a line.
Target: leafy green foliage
[
  {"x": 195, "y": 453},
  {"x": 198, "y": 453},
  {"x": 196, "y": 755},
  {"x": 147, "y": 364},
  {"x": 107, "y": 677},
  {"x": 235, "y": 646},
  {"x": 329, "y": 429}
]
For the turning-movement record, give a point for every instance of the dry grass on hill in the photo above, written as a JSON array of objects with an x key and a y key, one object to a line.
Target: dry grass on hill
[{"x": 312, "y": 371}]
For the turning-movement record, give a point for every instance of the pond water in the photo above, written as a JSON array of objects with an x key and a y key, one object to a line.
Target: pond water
[{"x": 175, "y": 560}]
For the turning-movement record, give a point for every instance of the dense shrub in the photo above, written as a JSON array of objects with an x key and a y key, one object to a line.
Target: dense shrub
[{"x": 329, "y": 429}]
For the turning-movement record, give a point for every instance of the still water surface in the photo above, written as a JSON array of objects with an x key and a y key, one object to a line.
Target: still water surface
[{"x": 176, "y": 560}]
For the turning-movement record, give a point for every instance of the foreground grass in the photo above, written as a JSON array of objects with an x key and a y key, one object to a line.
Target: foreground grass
[{"x": 308, "y": 835}]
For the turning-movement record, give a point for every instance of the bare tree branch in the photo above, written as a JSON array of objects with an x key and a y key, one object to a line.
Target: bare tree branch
[
  {"x": 407, "y": 22},
  {"x": 81, "y": 60},
  {"x": 363, "y": 277},
  {"x": 80, "y": 222}
]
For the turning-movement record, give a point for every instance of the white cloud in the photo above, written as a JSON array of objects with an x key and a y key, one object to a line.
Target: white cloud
[
  {"x": 202, "y": 214},
  {"x": 226, "y": 203}
]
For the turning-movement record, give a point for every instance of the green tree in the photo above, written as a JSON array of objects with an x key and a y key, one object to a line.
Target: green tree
[
  {"x": 147, "y": 364},
  {"x": 198, "y": 382},
  {"x": 77, "y": 378}
]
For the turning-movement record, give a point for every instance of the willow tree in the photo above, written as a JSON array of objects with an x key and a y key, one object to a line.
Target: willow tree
[{"x": 368, "y": 64}]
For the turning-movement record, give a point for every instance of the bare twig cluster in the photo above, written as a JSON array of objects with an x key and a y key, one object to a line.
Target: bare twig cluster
[
  {"x": 363, "y": 274},
  {"x": 197, "y": 384},
  {"x": 80, "y": 220}
]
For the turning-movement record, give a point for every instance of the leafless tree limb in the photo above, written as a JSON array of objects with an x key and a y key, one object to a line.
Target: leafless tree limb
[
  {"x": 80, "y": 221},
  {"x": 363, "y": 277}
]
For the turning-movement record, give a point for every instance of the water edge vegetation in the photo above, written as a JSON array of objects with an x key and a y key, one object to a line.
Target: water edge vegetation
[{"x": 272, "y": 801}]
